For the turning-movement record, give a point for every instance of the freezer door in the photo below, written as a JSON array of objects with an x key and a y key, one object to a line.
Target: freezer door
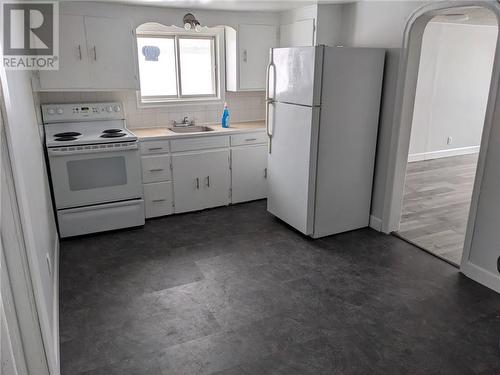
[
  {"x": 298, "y": 73},
  {"x": 292, "y": 164}
]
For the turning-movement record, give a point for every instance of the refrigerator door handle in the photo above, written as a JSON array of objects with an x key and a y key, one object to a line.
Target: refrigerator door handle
[
  {"x": 268, "y": 75},
  {"x": 269, "y": 98},
  {"x": 269, "y": 124}
]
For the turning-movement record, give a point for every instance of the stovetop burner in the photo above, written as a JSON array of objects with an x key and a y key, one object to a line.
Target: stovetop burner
[
  {"x": 67, "y": 134},
  {"x": 65, "y": 138},
  {"x": 113, "y": 135},
  {"x": 112, "y": 131}
]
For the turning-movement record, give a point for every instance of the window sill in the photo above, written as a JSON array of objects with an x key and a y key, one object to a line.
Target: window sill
[{"x": 179, "y": 102}]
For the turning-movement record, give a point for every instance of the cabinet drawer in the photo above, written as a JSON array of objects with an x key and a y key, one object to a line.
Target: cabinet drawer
[
  {"x": 191, "y": 144},
  {"x": 158, "y": 199},
  {"x": 155, "y": 168},
  {"x": 154, "y": 147},
  {"x": 248, "y": 138}
]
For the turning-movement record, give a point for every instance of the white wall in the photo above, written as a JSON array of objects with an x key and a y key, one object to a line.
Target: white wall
[
  {"x": 376, "y": 23},
  {"x": 380, "y": 24},
  {"x": 298, "y": 27},
  {"x": 329, "y": 24},
  {"x": 34, "y": 199},
  {"x": 485, "y": 246},
  {"x": 452, "y": 90}
]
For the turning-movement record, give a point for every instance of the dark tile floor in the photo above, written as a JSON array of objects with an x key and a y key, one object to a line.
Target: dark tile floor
[{"x": 235, "y": 291}]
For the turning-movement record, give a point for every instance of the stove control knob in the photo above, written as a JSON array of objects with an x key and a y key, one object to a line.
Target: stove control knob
[
  {"x": 109, "y": 109},
  {"x": 51, "y": 111},
  {"x": 117, "y": 108},
  {"x": 60, "y": 111}
]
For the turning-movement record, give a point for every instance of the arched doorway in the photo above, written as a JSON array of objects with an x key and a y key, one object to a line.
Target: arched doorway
[{"x": 405, "y": 99}]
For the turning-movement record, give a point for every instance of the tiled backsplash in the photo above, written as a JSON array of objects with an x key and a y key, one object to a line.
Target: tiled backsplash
[{"x": 243, "y": 106}]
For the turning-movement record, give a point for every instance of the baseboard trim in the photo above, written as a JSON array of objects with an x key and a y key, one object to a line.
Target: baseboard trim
[
  {"x": 443, "y": 153},
  {"x": 481, "y": 275},
  {"x": 56, "y": 301},
  {"x": 376, "y": 223}
]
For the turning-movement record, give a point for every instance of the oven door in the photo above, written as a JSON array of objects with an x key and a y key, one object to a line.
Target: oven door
[{"x": 94, "y": 174}]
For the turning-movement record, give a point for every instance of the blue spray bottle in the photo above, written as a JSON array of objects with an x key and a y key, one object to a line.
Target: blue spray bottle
[{"x": 225, "y": 117}]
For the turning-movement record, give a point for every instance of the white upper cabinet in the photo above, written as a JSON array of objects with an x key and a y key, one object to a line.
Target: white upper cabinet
[
  {"x": 247, "y": 56},
  {"x": 96, "y": 53},
  {"x": 110, "y": 44},
  {"x": 73, "y": 58}
]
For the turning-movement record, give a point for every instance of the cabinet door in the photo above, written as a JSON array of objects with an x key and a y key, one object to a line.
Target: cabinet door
[
  {"x": 249, "y": 173},
  {"x": 201, "y": 180},
  {"x": 254, "y": 44},
  {"x": 216, "y": 178},
  {"x": 111, "y": 51},
  {"x": 73, "y": 70}
]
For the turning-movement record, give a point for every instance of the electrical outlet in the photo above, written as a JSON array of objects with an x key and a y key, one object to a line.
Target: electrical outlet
[{"x": 449, "y": 140}]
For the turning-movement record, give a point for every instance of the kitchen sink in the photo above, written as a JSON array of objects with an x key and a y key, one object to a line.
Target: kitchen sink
[{"x": 190, "y": 129}]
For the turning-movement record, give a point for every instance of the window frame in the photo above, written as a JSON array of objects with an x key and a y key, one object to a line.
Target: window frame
[{"x": 216, "y": 35}]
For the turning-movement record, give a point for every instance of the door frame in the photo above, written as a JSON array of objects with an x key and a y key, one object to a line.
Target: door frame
[
  {"x": 402, "y": 119},
  {"x": 18, "y": 294}
]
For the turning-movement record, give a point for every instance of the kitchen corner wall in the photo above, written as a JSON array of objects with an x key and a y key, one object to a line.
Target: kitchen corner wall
[{"x": 243, "y": 106}]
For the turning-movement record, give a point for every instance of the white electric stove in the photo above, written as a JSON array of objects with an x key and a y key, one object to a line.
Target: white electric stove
[{"x": 94, "y": 166}]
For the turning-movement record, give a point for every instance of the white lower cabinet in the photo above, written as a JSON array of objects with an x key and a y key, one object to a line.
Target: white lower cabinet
[
  {"x": 158, "y": 199},
  {"x": 156, "y": 178},
  {"x": 201, "y": 180},
  {"x": 196, "y": 173},
  {"x": 248, "y": 173}
]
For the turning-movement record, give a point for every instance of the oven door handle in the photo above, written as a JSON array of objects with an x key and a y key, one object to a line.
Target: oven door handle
[{"x": 65, "y": 151}]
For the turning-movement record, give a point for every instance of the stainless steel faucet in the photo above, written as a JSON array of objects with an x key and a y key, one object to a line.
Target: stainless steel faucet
[{"x": 185, "y": 122}]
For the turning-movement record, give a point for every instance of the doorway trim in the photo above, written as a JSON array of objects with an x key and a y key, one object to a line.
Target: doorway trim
[{"x": 402, "y": 119}]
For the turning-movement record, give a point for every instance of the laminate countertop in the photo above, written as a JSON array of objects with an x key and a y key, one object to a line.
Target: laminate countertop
[{"x": 166, "y": 133}]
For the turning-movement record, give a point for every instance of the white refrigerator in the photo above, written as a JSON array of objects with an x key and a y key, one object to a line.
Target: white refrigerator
[{"x": 322, "y": 120}]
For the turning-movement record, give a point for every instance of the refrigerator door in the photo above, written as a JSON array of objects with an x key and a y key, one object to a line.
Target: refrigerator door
[
  {"x": 298, "y": 73},
  {"x": 292, "y": 164}
]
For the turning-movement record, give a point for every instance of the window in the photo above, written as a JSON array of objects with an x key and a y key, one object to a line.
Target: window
[{"x": 176, "y": 67}]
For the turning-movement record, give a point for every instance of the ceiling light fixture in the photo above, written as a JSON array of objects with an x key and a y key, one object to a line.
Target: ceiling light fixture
[{"x": 190, "y": 22}]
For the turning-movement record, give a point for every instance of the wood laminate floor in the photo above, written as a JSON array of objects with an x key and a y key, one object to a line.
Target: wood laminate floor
[
  {"x": 436, "y": 204},
  {"x": 235, "y": 291}
]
